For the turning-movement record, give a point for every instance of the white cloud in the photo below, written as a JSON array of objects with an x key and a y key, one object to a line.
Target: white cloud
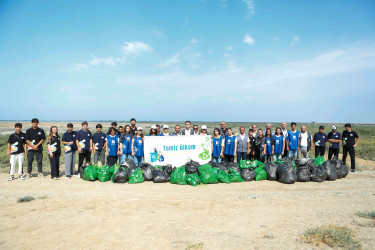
[
  {"x": 248, "y": 39},
  {"x": 80, "y": 66},
  {"x": 295, "y": 40},
  {"x": 176, "y": 58},
  {"x": 194, "y": 41},
  {"x": 229, "y": 48},
  {"x": 96, "y": 61},
  {"x": 250, "y": 7},
  {"x": 135, "y": 48}
]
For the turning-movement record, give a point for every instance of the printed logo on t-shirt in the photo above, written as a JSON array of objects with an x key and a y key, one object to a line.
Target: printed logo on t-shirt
[
  {"x": 39, "y": 133},
  {"x": 128, "y": 139},
  {"x": 67, "y": 148},
  {"x": 113, "y": 142},
  {"x": 88, "y": 134},
  {"x": 74, "y": 135},
  {"x": 82, "y": 143},
  {"x": 102, "y": 137},
  {"x": 13, "y": 147},
  {"x": 53, "y": 147},
  {"x": 351, "y": 134},
  {"x": 324, "y": 136},
  {"x": 217, "y": 142},
  {"x": 32, "y": 142},
  {"x": 96, "y": 146},
  {"x": 22, "y": 138}
]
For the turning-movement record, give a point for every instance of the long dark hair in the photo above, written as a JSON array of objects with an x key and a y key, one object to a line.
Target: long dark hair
[
  {"x": 124, "y": 134},
  {"x": 152, "y": 133},
  {"x": 218, "y": 131},
  {"x": 281, "y": 132},
  {"x": 270, "y": 135}
]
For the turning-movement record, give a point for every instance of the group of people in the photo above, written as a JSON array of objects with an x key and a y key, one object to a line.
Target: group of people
[{"x": 127, "y": 142}]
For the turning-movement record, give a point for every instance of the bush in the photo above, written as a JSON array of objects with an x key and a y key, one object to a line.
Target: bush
[{"x": 25, "y": 199}]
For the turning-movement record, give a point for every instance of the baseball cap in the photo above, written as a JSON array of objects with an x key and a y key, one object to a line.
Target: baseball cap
[
  {"x": 153, "y": 127},
  {"x": 165, "y": 126},
  {"x": 204, "y": 127},
  {"x": 334, "y": 128},
  {"x": 139, "y": 128}
]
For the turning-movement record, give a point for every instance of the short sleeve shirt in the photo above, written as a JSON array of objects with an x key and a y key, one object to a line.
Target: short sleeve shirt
[
  {"x": 35, "y": 136},
  {"x": 17, "y": 142}
]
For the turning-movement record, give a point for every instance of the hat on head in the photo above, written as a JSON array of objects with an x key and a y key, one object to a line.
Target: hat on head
[
  {"x": 165, "y": 126},
  {"x": 204, "y": 127},
  {"x": 139, "y": 128},
  {"x": 334, "y": 128},
  {"x": 153, "y": 127}
]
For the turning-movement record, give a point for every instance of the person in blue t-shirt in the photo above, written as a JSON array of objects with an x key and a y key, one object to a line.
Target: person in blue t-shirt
[
  {"x": 279, "y": 144},
  {"x": 84, "y": 144},
  {"x": 138, "y": 147},
  {"x": 230, "y": 146},
  {"x": 217, "y": 146},
  {"x": 126, "y": 144},
  {"x": 334, "y": 139},
  {"x": 68, "y": 140},
  {"x": 98, "y": 141},
  {"x": 293, "y": 141},
  {"x": 320, "y": 139},
  {"x": 112, "y": 145},
  {"x": 270, "y": 146}
]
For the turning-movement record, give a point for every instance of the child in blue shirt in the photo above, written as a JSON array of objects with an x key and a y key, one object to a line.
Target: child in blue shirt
[
  {"x": 137, "y": 147},
  {"x": 112, "y": 145},
  {"x": 126, "y": 144}
]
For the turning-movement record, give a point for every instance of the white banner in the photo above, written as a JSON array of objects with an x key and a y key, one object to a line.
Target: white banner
[{"x": 177, "y": 150}]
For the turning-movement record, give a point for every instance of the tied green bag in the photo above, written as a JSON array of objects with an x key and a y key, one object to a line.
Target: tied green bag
[
  {"x": 207, "y": 174},
  {"x": 256, "y": 164},
  {"x": 319, "y": 161},
  {"x": 223, "y": 177},
  {"x": 90, "y": 173},
  {"x": 104, "y": 173},
  {"x": 234, "y": 176},
  {"x": 193, "y": 179},
  {"x": 245, "y": 164},
  {"x": 261, "y": 174},
  {"x": 178, "y": 176},
  {"x": 113, "y": 169},
  {"x": 136, "y": 176}
]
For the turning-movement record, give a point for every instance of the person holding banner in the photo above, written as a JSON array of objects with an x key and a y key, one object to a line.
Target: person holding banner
[
  {"x": 177, "y": 130},
  {"x": 138, "y": 147},
  {"x": 230, "y": 146},
  {"x": 153, "y": 131},
  {"x": 187, "y": 131},
  {"x": 126, "y": 144},
  {"x": 165, "y": 131},
  {"x": 217, "y": 146}
]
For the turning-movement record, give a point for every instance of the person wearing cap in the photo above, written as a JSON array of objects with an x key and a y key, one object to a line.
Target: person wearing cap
[
  {"x": 138, "y": 147},
  {"x": 153, "y": 131},
  {"x": 187, "y": 131},
  {"x": 334, "y": 139},
  {"x": 132, "y": 126},
  {"x": 177, "y": 130},
  {"x": 242, "y": 144},
  {"x": 114, "y": 125},
  {"x": 320, "y": 139},
  {"x": 196, "y": 130},
  {"x": 203, "y": 130},
  {"x": 349, "y": 142},
  {"x": 165, "y": 131}
]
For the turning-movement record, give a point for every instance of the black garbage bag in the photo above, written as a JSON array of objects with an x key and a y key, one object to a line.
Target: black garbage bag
[
  {"x": 344, "y": 171},
  {"x": 168, "y": 171},
  {"x": 234, "y": 166},
  {"x": 191, "y": 167},
  {"x": 331, "y": 170},
  {"x": 219, "y": 166},
  {"x": 271, "y": 169},
  {"x": 248, "y": 174},
  {"x": 159, "y": 176},
  {"x": 129, "y": 166},
  {"x": 339, "y": 167},
  {"x": 303, "y": 173},
  {"x": 318, "y": 173},
  {"x": 81, "y": 170},
  {"x": 121, "y": 176},
  {"x": 286, "y": 173},
  {"x": 147, "y": 171}
]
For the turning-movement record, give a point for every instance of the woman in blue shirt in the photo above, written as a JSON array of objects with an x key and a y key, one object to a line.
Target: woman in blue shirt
[
  {"x": 270, "y": 144},
  {"x": 137, "y": 147},
  {"x": 126, "y": 144},
  {"x": 279, "y": 145},
  {"x": 230, "y": 147},
  {"x": 112, "y": 144},
  {"x": 217, "y": 146}
]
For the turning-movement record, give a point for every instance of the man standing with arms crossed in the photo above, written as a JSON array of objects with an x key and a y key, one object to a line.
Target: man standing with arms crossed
[{"x": 334, "y": 139}]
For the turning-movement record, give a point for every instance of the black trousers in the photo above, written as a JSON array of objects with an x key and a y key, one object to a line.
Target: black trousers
[
  {"x": 345, "y": 150},
  {"x": 250, "y": 156},
  {"x": 319, "y": 150},
  {"x": 30, "y": 158},
  {"x": 285, "y": 153},
  {"x": 333, "y": 152},
  {"x": 55, "y": 165},
  {"x": 229, "y": 158},
  {"x": 257, "y": 154},
  {"x": 112, "y": 160},
  {"x": 85, "y": 154}
]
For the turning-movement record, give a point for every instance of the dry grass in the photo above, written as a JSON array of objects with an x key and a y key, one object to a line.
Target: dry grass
[
  {"x": 25, "y": 199},
  {"x": 194, "y": 246},
  {"x": 367, "y": 214},
  {"x": 332, "y": 236}
]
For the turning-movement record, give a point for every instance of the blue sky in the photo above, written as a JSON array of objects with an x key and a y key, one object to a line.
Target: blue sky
[{"x": 197, "y": 60}]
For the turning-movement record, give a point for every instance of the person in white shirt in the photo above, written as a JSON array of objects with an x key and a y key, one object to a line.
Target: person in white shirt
[
  {"x": 196, "y": 130},
  {"x": 306, "y": 143},
  {"x": 187, "y": 131},
  {"x": 284, "y": 131},
  {"x": 241, "y": 141},
  {"x": 255, "y": 130}
]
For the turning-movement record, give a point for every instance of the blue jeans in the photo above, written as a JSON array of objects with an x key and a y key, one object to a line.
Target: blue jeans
[
  {"x": 138, "y": 160},
  {"x": 292, "y": 152},
  {"x": 217, "y": 159},
  {"x": 277, "y": 157},
  {"x": 241, "y": 156},
  {"x": 125, "y": 156}
]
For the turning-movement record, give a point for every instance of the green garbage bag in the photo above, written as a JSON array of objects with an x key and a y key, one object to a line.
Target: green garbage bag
[
  {"x": 319, "y": 161},
  {"x": 104, "y": 173},
  {"x": 90, "y": 173},
  {"x": 178, "y": 176},
  {"x": 279, "y": 162},
  {"x": 193, "y": 179},
  {"x": 245, "y": 164},
  {"x": 234, "y": 176},
  {"x": 223, "y": 177},
  {"x": 260, "y": 174},
  {"x": 256, "y": 164},
  {"x": 136, "y": 176},
  {"x": 207, "y": 174},
  {"x": 113, "y": 169}
]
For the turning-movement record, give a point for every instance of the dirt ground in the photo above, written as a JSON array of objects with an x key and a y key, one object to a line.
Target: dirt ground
[{"x": 77, "y": 214}]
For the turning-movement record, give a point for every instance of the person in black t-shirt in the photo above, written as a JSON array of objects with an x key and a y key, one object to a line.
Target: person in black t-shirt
[
  {"x": 133, "y": 128},
  {"x": 349, "y": 141},
  {"x": 34, "y": 138},
  {"x": 16, "y": 151},
  {"x": 251, "y": 146},
  {"x": 54, "y": 151}
]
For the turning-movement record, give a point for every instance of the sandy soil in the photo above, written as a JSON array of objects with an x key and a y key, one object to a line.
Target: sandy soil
[{"x": 77, "y": 214}]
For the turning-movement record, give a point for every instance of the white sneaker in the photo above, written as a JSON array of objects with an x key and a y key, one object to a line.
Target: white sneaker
[
  {"x": 21, "y": 177},
  {"x": 11, "y": 178}
]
